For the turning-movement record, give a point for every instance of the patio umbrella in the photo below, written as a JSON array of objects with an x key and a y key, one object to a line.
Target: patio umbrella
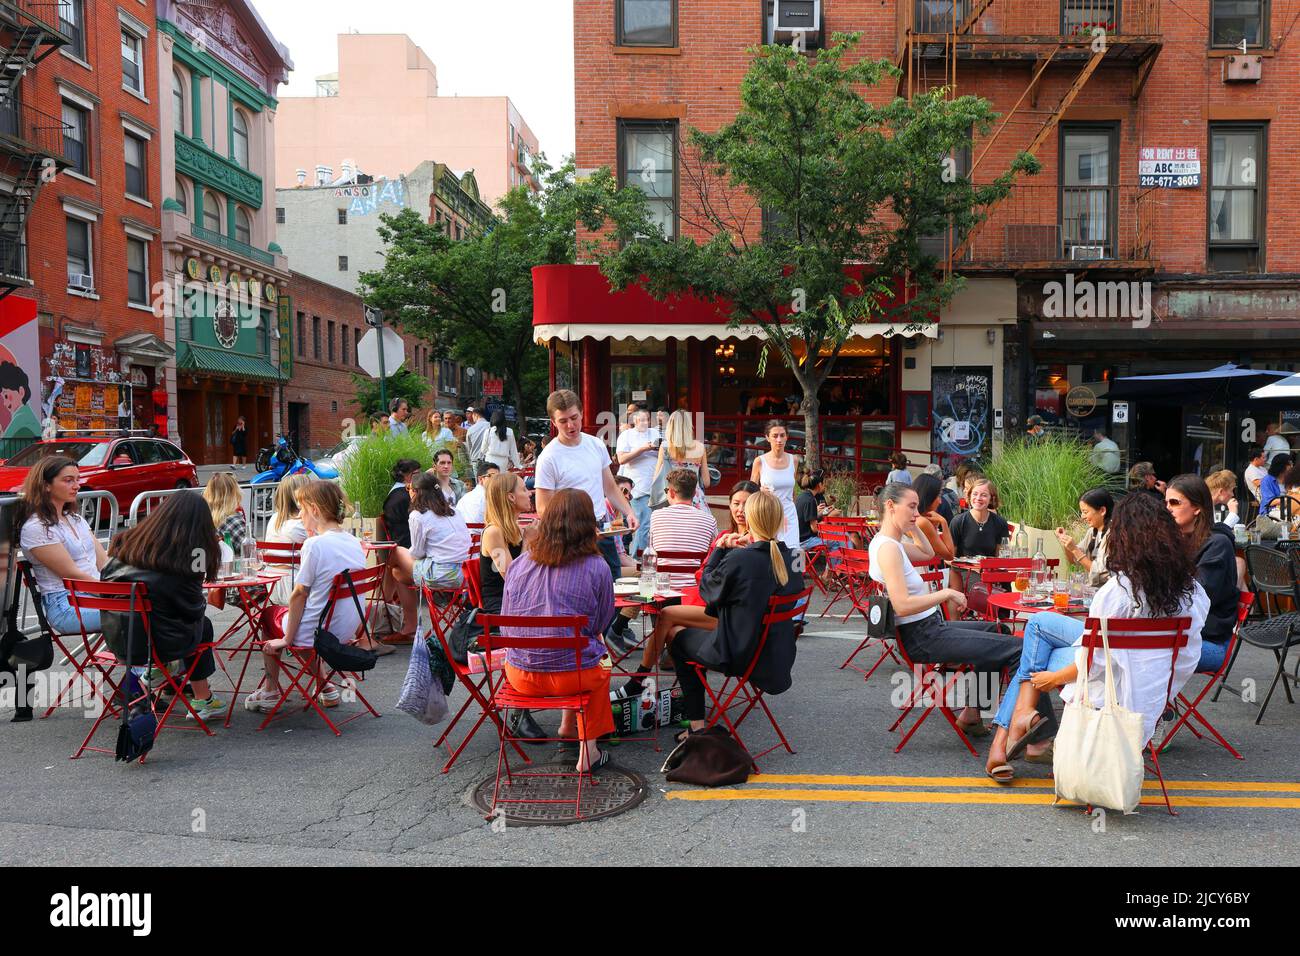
[
  {"x": 1282, "y": 388},
  {"x": 1229, "y": 381}
]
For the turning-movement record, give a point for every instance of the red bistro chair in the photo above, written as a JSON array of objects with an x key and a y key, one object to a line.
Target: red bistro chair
[
  {"x": 861, "y": 588},
  {"x": 502, "y": 696},
  {"x": 1143, "y": 634},
  {"x": 476, "y": 687},
  {"x": 834, "y": 583},
  {"x": 128, "y": 597},
  {"x": 303, "y": 665},
  {"x": 934, "y": 680},
  {"x": 738, "y": 691},
  {"x": 1190, "y": 709}
]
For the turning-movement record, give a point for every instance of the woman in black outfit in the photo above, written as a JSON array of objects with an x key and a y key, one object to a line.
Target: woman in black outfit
[
  {"x": 503, "y": 539},
  {"x": 159, "y": 552},
  {"x": 1188, "y": 500},
  {"x": 397, "y": 506},
  {"x": 736, "y": 584}
]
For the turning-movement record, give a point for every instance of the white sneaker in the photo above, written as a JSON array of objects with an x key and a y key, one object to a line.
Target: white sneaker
[
  {"x": 329, "y": 696},
  {"x": 262, "y": 700}
]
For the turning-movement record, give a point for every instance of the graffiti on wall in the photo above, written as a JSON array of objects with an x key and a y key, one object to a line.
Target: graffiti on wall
[
  {"x": 20, "y": 399},
  {"x": 962, "y": 414},
  {"x": 366, "y": 199}
]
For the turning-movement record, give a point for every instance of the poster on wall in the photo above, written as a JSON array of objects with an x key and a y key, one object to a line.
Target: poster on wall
[
  {"x": 961, "y": 420},
  {"x": 20, "y": 398}
]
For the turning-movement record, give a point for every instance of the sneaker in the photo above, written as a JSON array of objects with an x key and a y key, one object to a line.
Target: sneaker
[
  {"x": 156, "y": 677},
  {"x": 329, "y": 696},
  {"x": 262, "y": 700},
  {"x": 206, "y": 709}
]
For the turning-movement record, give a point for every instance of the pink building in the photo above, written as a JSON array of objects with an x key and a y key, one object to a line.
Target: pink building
[{"x": 382, "y": 111}]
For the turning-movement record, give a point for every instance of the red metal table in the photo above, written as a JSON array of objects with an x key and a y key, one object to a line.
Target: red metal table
[{"x": 254, "y": 595}]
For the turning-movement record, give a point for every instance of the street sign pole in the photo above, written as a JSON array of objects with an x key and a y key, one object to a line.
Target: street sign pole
[{"x": 376, "y": 318}]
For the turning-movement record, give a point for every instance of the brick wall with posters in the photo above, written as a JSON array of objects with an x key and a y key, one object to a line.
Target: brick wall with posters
[
  {"x": 319, "y": 394},
  {"x": 90, "y": 74},
  {"x": 697, "y": 82}
]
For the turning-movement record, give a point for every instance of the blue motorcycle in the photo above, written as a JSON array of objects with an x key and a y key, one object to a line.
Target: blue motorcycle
[{"x": 285, "y": 461}]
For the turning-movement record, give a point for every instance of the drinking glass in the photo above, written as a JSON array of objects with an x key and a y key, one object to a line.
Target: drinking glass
[
  {"x": 1256, "y": 537},
  {"x": 1077, "y": 583},
  {"x": 1021, "y": 581},
  {"x": 662, "y": 582},
  {"x": 1060, "y": 594}
]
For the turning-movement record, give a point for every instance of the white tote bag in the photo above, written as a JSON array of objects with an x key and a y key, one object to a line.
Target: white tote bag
[{"x": 1098, "y": 753}]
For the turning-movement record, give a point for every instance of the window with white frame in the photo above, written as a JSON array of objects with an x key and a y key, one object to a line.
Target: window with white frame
[
  {"x": 76, "y": 137},
  {"x": 70, "y": 25},
  {"x": 132, "y": 61},
  {"x": 137, "y": 271},
  {"x": 137, "y": 180},
  {"x": 80, "y": 264}
]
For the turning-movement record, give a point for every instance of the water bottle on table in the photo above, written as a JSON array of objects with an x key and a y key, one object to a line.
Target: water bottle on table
[{"x": 649, "y": 563}]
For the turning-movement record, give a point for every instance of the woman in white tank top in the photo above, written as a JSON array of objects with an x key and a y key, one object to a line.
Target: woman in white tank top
[{"x": 775, "y": 471}]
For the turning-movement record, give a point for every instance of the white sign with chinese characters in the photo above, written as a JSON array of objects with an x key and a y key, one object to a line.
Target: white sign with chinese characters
[{"x": 1169, "y": 167}]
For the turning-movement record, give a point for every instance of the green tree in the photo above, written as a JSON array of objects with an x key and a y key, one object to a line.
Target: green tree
[
  {"x": 844, "y": 180},
  {"x": 472, "y": 298},
  {"x": 403, "y": 383}
]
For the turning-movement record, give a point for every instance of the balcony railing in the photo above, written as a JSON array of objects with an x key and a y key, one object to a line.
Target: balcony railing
[
  {"x": 232, "y": 245},
  {"x": 1052, "y": 224},
  {"x": 13, "y": 259},
  {"x": 1032, "y": 18},
  {"x": 25, "y": 11},
  {"x": 31, "y": 130}
]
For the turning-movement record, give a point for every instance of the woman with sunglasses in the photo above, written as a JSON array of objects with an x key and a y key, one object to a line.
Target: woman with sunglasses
[{"x": 1211, "y": 546}]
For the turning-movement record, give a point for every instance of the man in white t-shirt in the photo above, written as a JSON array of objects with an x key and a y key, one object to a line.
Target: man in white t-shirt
[
  {"x": 473, "y": 506},
  {"x": 638, "y": 454},
  {"x": 580, "y": 461},
  {"x": 476, "y": 427},
  {"x": 1105, "y": 453},
  {"x": 1256, "y": 470},
  {"x": 1275, "y": 444}
]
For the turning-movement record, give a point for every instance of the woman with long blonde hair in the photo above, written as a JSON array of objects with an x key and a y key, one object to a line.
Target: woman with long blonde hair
[
  {"x": 680, "y": 450},
  {"x": 739, "y": 578},
  {"x": 503, "y": 539},
  {"x": 226, "y": 502}
]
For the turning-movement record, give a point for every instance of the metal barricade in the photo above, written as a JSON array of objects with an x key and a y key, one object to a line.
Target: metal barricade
[
  {"x": 258, "y": 503},
  {"x": 101, "y": 511},
  {"x": 146, "y": 501}
]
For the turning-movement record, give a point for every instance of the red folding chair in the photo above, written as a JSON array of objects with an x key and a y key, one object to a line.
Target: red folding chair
[
  {"x": 474, "y": 684},
  {"x": 1189, "y": 709},
  {"x": 833, "y": 580},
  {"x": 857, "y": 568},
  {"x": 937, "y": 679},
  {"x": 738, "y": 691},
  {"x": 1143, "y": 634},
  {"x": 502, "y": 697},
  {"x": 303, "y": 665},
  {"x": 131, "y": 597}
]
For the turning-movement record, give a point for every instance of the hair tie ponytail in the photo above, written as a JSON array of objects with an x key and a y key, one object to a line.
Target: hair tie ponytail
[{"x": 778, "y": 564}]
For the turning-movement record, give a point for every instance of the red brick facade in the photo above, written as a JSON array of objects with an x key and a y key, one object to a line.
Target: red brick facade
[
  {"x": 94, "y": 81},
  {"x": 320, "y": 395}
]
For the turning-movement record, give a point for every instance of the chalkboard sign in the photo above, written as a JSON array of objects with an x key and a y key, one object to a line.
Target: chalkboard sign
[{"x": 962, "y": 414}]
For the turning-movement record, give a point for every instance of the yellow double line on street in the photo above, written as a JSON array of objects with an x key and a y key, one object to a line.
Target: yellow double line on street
[{"x": 830, "y": 788}]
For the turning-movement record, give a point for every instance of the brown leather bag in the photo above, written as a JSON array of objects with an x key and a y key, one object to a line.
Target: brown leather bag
[{"x": 708, "y": 758}]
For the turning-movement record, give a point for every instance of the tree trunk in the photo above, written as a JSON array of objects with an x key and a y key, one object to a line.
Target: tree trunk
[{"x": 812, "y": 439}]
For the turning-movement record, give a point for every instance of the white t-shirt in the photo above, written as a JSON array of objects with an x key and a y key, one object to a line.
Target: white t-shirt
[
  {"x": 445, "y": 540},
  {"x": 292, "y": 530},
  {"x": 640, "y": 469},
  {"x": 322, "y": 557},
  {"x": 582, "y": 466},
  {"x": 1141, "y": 677},
  {"x": 1254, "y": 475},
  {"x": 1105, "y": 455},
  {"x": 1275, "y": 445},
  {"x": 910, "y": 575},
  {"x": 504, "y": 453},
  {"x": 74, "y": 534},
  {"x": 473, "y": 507}
]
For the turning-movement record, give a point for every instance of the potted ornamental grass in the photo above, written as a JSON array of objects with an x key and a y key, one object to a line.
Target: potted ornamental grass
[
  {"x": 1039, "y": 483},
  {"x": 366, "y": 474}
]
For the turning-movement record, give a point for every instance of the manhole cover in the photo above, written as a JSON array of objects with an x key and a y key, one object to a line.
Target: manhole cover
[{"x": 615, "y": 790}]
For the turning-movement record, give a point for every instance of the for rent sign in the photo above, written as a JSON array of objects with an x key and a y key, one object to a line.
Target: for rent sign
[{"x": 1169, "y": 167}]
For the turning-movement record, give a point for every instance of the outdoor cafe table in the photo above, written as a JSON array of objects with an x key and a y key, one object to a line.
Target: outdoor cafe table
[
  {"x": 1013, "y": 603},
  {"x": 254, "y": 593}
]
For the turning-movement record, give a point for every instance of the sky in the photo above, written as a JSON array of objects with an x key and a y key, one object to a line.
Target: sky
[{"x": 517, "y": 48}]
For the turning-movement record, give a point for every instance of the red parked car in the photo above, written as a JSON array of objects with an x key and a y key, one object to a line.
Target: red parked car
[{"x": 124, "y": 466}]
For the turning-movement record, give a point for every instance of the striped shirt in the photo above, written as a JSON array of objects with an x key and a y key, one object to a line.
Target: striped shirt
[
  {"x": 682, "y": 528},
  {"x": 582, "y": 587}
]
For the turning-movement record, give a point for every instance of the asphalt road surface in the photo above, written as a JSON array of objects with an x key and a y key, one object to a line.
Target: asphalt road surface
[{"x": 296, "y": 794}]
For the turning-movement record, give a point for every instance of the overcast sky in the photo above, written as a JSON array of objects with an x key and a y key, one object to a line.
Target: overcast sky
[{"x": 517, "y": 48}]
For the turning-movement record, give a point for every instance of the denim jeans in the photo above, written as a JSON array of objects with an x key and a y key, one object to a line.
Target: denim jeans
[
  {"x": 609, "y": 551},
  {"x": 641, "y": 508},
  {"x": 63, "y": 618},
  {"x": 1212, "y": 656},
  {"x": 1048, "y": 645}
]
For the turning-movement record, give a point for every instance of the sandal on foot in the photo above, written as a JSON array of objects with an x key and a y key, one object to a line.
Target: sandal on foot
[
  {"x": 600, "y": 763},
  {"x": 1002, "y": 774},
  {"x": 1035, "y": 731},
  {"x": 976, "y": 729},
  {"x": 1047, "y": 756}
]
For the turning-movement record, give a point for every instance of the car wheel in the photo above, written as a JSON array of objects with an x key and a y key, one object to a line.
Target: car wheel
[{"x": 183, "y": 484}]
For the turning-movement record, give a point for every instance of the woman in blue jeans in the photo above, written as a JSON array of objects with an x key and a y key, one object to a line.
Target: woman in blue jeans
[{"x": 57, "y": 541}]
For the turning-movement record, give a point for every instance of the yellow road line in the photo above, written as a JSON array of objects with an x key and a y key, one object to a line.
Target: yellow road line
[
  {"x": 1243, "y": 786},
  {"x": 931, "y": 796}
]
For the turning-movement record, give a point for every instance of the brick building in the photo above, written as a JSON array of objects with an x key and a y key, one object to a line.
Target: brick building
[
  {"x": 328, "y": 323},
  {"x": 1093, "y": 88},
  {"x": 79, "y": 210}
]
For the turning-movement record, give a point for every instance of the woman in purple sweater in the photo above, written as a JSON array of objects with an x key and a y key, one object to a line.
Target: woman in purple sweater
[{"x": 563, "y": 574}]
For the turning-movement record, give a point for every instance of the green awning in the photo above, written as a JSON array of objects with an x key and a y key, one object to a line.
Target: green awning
[{"x": 204, "y": 358}]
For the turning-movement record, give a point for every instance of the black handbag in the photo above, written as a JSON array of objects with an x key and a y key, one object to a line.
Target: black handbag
[
  {"x": 340, "y": 656},
  {"x": 139, "y": 728},
  {"x": 880, "y": 618},
  {"x": 463, "y": 635},
  {"x": 32, "y": 653}
]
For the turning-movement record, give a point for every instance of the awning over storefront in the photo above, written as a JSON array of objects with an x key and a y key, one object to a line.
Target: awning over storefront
[
  {"x": 572, "y": 302},
  {"x": 203, "y": 358},
  {"x": 1228, "y": 380}
]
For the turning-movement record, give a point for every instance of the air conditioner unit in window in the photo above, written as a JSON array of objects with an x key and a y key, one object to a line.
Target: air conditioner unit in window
[
  {"x": 794, "y": 17},
  {"x": 83, "y": 283},
  {"x": 451, "y": 390},
  {"x": 1087, "y": 252}
]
